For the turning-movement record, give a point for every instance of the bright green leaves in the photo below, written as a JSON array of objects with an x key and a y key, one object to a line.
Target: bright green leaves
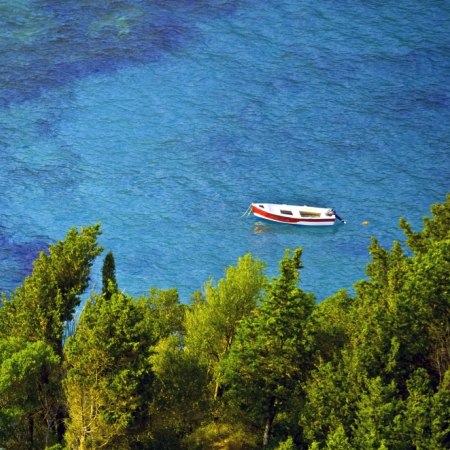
[
  {"x": 330, "y": 325},
  {"x": 331, "y": 392},
  {"x": 21, "y": 360},
  {"x": 71, "y": 261},
  {"x": 377, "y": 410},
  {"x": 386, "y": 371},
  {"x": 39, "y": 308},
  {"x": 440, "y": 414},
  {"x": 211, "y": 321},
  {"x": 36, "y": 315},
  {"x": 429, "y": 295},
  {"x": 284, "y": 311},
  {"x": 108, "y": 378},
  {"x": 166, "y": 311},
  {"x": 179, "y": 391}
]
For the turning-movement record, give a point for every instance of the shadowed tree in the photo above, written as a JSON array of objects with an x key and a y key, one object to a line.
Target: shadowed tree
[
  {"x": 109, "y": 282},
  {"x": 380, "y": 387},
  {"x": 271, "y": 354},
  {"x": 28, "y": 371},
  {"x": 180, "y": 395}
]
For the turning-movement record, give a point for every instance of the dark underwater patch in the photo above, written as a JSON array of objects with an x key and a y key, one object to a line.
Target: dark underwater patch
[
  {"x": 51, "y": 43},
  {"x": 21, "y": 255}
]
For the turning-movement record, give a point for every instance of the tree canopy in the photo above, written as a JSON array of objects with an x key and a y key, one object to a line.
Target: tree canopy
[{"x": 248, "y": 363}]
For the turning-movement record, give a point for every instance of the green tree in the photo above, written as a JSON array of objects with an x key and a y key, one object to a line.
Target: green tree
[
  {"x": 180, "y": 393},
  {"x": 331, "y": 393},
  {"x": 211, "y": 321},
  {"x": 393, "y": 312},
  {"x": 179, "y": 390},
  {"x": 166, "y": 312},
  {"x": 37, "y": 311},
  {"x": 288, "y": 444},
  {"x": 331, "y": 326},
  {"x": 24, "y": 395},
  {"x": 271, "y": 354},
  {"x": 378, "y": 382},
  {"x": 378, "y": 410},
  {"x": 40, "y": 307},
  {"x": 440, "y": 414},
  {"x": 416, "y": 424},
  {"x": 109, "y": 282},
  {"x": 430, "y": 285},
  {"x": 425, "y": 417},
  {"x": 338, "y": 440},
  {"x": 429, "y": 292},
  {"x": 108, "y": 381},
  {"x": 435, "y": 228}
]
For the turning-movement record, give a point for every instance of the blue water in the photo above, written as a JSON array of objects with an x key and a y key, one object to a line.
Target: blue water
[{"x": 164, "y": 120}]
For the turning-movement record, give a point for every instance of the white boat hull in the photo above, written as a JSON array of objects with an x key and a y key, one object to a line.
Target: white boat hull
[{"x": 294, "y": 215}]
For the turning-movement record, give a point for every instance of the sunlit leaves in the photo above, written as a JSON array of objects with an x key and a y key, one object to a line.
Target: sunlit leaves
[
  {"x": 211, "y": 322},
  {"x": 108, "y": 377},
  {"x": 39, "y": 308}
]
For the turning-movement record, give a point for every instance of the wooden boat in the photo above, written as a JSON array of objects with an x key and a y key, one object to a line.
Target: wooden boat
[{"x": 295, "y": 215}]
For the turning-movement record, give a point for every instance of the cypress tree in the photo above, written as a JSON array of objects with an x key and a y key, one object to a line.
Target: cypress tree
[{"x": 109, "y": 283}]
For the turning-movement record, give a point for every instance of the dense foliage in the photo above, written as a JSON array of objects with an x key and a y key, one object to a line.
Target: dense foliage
[{"x": 249, "y": 363}]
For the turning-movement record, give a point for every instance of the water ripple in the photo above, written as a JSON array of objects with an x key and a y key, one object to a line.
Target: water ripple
[{"x": 164, "y": 121}]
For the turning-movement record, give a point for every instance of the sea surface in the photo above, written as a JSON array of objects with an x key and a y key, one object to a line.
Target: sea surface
[{"x": 164, "y": 120}]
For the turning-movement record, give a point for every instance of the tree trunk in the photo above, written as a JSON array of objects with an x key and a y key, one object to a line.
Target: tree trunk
[
  {"x": 61, "y": 416},
  {"x": 218, "y": 391},
  {"x": 31, "y": 432},
  {"x": 269, "y": 421}
]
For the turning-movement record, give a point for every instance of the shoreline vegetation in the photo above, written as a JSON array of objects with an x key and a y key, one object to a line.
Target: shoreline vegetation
[{"x": 249, "y": 363}]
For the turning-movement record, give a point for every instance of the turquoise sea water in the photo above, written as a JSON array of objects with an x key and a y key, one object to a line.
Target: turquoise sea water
[{"x": 164, "y": 120}]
